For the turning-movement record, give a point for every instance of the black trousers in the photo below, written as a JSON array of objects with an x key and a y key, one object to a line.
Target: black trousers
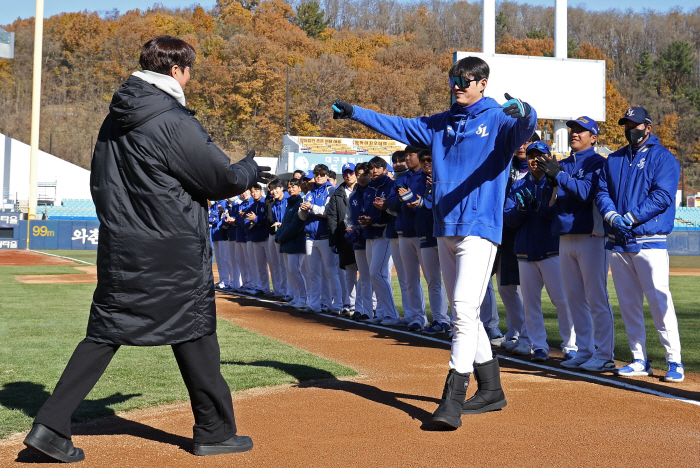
[{"x": 199, "y": 362}]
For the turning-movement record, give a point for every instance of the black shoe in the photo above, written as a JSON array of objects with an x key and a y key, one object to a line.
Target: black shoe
[
  {"x": 356, "y": 316},
  {"x": 44, "y": 440},
  {"x": 235, "y": 444},
  {"x": 489, "y": 396},
  {"x": 449, "y": 413},
  {"x": 363, "y": 318}
]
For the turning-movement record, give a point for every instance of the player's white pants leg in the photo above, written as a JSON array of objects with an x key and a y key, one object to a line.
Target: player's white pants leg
[
  {"x": 344, "y": 298},
  {"x": 252, "y": 265},
  {"x": 466, "y": 264},
  {"x": 234, "y": 272},
  {"x": 219, "y": 254},
  {"x": 430, "y": 263},
  {"x": 415, "y": 296},
  {"x": 363, "y": 304},
  {"x": 295, "y": 277},
  {"x": 489, "y": 308},
  {"x": 378, "y": 253},
  {"x": 226, "y": 251},
  {"x": 513, "y": 303},
  {"x": 263, "y": 280},
  {"x": 331, "y": 263},
  {"x": 351, "y": 285},
  {"x": 584, "y": 270},
  {"x": 244, "y": 264},
  {"x": 276, "y": 267},
  {"x": 551, "y": 273},
  {"x": 639, "y": 274},
  {"x": 401, "y": 275},
  {"x": 320, "y": 260}
]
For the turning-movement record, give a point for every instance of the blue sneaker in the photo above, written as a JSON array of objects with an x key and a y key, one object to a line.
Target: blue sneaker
[
  {"x": 414, "y": 327},
  {"x": 636, "y": 368},
  {"x": 571, "y": 354},
  {"x": 676, "y": 372},
  {"x": 495, "y": 336},
  {"x": 540, "y": 355},
  {"x": 447, "y": 328},
  {"x": 434, "y": 328}
]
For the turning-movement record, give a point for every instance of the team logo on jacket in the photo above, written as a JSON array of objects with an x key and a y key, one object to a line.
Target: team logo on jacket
[
  {"x": 354, "y": 203},
  {"x": 641, "y": 163},
  {"x": 580, "y": 173},
  {"x": 482, "y": 131}
]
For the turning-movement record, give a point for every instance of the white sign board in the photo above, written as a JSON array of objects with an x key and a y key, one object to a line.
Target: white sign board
[
  {"x": 558, "y": 89},
  {"x": 7, "y": 44}
]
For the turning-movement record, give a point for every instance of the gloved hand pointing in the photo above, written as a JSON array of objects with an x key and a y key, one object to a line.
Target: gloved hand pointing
[
  {"x": 342, "y": 110},
  {"x": 515, "y": 107},
  {"x": 263, "y": 175}
]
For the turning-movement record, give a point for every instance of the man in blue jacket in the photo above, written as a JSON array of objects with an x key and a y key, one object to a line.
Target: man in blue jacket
[
  {"x": 219, "y": 241},
  {"x": 472, "y": 145},
  {"x": 537, "y": 250},
  {"x": 292, "y": 240},
  {"x": 256, "y": 223},
  {"x": 636, "y": 198},
  {"x": 245, "y": 259},
  {"x": 582, "y": 256}
]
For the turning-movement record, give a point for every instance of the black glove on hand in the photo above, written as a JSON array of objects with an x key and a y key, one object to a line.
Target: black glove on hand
[
  {"x": 342, "y": 110},
  {"x": 515, "y": 107},
  {"x": 263, "y": 176},
  {"x": 549, "y": 166}
]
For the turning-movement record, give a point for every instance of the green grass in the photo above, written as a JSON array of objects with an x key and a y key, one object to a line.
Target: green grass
[
  {"x": 685, "y": 261},
  {"x": 89, "y": 256},
  {"x": 685, "y": 299},
  {"x": 42, "y": 324}
]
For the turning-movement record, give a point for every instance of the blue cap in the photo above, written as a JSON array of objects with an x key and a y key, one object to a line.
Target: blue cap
[
  {"x": 309, "y": 174},
  {"x": 586, "y": 122},
  {"x": 637, "y": 115},
  {"x": 389, "y": 168},
  {"x": 348, "y": 167},
  {"x": 540, "y": 146}
]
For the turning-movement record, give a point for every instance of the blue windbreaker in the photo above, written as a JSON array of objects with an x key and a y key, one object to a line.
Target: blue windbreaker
[
  {"x": 644, "y": 183},
  {"x": 472, "y": 148},
  {"x": 355, "y": 209},
  {"x": 578, "y": 182},
  {"x": 215, "y": 223},
  {"x": 241, "y": 228},
  {"x": 534, "y": 240},
  {"x": 258, "y": 232},
  {"x": 278, "y": 209},
  {"x": 405, "y": 216},
  {"x": 379, "y": 187},
  {"x": 316, "y": 218},
  {"x": 424, "y": 215},
  {"x": 290, "y": 235}
]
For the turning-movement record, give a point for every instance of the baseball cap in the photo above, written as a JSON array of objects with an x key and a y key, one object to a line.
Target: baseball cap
[
  {"x": 348, "y": 167},
  {"x": 637, "y": 115},
  {"x": 586, "y": 122},
  {"x": 539, "y": 146},
  {"x": 389, "y": 168},
  {"x": 309, "y": 174}
]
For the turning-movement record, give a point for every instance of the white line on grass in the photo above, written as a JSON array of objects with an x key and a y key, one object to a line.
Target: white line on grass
[
  {"x": 61, "y": 256},
  {"x": 617, "y": 383}
]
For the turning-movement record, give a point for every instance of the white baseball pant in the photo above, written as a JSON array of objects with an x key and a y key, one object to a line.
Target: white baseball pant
[
  {"x": 244, "y": 264},
  {"x": 343, "y": 284},
  {"x": 260, "y": 269},
  {"x": 415, "y": 296},
  {"x": 277, "y": 268},
  {"x": 584, "y": 269},
  {"x": 430, "y": 263},
  {"x": 378, "y": 254},
  {"x": 363, "y": 303},
  {"x": 513, "y": 303},
  {"x": 400, "y": 273},
  {"x": 534, "y": 276},
  {"x": 295, "y": 278},
  {"x": 234, "y": 272},
  {"x": 350, "y": 274},
  {"x": 640, "y": 274},
  {"x": 219, "y": 256},
  {"x": 322, "y": 265},
  {"x": 466, "y": 264}
]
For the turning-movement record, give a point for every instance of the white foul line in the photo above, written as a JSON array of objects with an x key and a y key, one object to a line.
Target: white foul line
[{"x": 61, "y": 256}]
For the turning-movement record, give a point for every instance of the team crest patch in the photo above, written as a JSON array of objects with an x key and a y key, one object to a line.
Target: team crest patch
[
  {"x": 641, "y": 163},
  {"x": 482, "y": 130},
  {"x": 580, "y": 173}
]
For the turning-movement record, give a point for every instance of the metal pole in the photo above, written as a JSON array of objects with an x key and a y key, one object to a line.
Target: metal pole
[
  {"x": 36, "y": 108},
  {"x": 287, "y": 100},
  {"x": 488, "y": 26}
]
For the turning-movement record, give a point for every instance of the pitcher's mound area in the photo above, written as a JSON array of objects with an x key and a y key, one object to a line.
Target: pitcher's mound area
[{"x": 29, "y": 258}]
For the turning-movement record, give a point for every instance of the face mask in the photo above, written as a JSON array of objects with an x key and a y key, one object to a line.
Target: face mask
[{"x": 635, "y": 136}]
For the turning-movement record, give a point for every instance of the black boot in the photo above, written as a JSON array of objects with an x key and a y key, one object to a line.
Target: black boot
[
  {"x": 44, "y": 440},
  {"x": 449, "y": 413},
  {"x": 235, "y": 444},
  {"x": 489, "y": 395}
]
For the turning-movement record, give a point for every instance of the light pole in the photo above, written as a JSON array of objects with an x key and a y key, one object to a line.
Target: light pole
[{"x": 36, "y": 110}]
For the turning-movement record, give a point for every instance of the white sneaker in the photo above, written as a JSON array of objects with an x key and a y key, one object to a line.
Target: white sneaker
[
  {"x": 574, "y": 363},
  {"x": 598, "y": 365},
  {"x": 402, "y": 322},
  {"x": 388, "y": 322},
  {"x": 509, "y": 345},
  {"x": 522, "y": 349}
]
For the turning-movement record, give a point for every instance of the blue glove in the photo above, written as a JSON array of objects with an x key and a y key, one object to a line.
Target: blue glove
[
  {"x": 342, "y": 110},
  {"x": 616, "y": 220},
  {"x": 522, "y": 205},
  {"x": 515, "y": 107}
]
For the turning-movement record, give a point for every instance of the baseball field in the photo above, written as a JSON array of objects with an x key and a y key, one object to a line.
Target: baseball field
[{"x": 324, "y": 391}]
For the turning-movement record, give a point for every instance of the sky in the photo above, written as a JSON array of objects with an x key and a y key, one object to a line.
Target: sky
[{"x": 10, "y": 10}]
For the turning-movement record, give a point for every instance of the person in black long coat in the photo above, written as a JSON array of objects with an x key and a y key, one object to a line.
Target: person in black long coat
[{"x": 153, "y": 170}]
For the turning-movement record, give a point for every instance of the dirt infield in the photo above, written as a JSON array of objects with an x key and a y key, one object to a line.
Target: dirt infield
[
  {"x": 381, "y": 418},
  {"x": 88, "y": 276},
  {"x": 28, "y": 258}
]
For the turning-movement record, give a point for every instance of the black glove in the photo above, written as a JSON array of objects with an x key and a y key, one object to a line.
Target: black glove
[
  {"x": 550, "y": 167},
  {"x": 263, "y": 176},
  {"x": 342, "y": 110},
  {"x": 515, "y": 107}
]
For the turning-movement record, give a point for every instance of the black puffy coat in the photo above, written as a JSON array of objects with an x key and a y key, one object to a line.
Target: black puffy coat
[
  {"x": 337, "y": 208},
  {"x": 153, "y": 170}
]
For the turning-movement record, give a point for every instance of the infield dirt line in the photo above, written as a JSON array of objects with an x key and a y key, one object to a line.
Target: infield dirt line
[{"x": 61, "y": 256}]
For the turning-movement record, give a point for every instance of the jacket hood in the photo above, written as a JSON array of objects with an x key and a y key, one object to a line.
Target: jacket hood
[
  {"x": 483, "y": 104},
  {"x": 136, "y": 102}
]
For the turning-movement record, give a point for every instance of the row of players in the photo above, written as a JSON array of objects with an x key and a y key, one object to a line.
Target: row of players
[{"x": 316, "y": 238}]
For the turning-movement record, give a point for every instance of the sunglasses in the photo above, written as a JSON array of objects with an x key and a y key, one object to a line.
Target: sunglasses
[
  {"x": 460, "y": 82},
  {"x": 348, "y": 173},
  {"x": 320, "y": 174},
  {"x": 426, "y": 160}
]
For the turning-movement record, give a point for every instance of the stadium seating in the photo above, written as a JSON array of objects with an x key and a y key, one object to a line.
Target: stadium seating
[
  {"x": 75, "y": 209},
  {"x": 687, "y": 217}
]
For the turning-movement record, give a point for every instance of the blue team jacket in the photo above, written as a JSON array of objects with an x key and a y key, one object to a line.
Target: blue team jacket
[
  {"x": 424, "y": 215},
  {"x": 643, "y": 183},
  {"x": 316, "y": 218},
  {"x": 472, "y": 147},
  {"x": 355, "y": 209},
  {"x": 578, "y": 183},
  {"x": 405, "y": 216},
  {"x": 215, "y": 223},
  {"x": 258, "y": 232},
  {"x": 534, "y": 240},
  {"x": 241, "y": 228},
  {"x": 379, "y": 187},
  {"x": 290, "y": 235}
]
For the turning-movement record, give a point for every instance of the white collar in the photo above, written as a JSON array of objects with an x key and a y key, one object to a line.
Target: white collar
[{"x": 165, "y": 83}]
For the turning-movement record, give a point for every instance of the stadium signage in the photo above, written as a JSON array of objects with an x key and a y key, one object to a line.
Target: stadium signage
[
  {"x": 9, "y": 220},
  {"x": 9, "y": 244}
]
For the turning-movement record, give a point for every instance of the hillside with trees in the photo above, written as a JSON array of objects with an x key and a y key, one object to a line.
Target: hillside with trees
[{"x": 380, "y": 54}]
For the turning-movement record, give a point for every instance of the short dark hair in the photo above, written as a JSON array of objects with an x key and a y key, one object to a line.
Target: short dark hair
[
  {"x": 162, "y": 53},
  {"x": 376, "y": 161},
  {"x": 411, "y": 149},
  {"x": 294, "y": 182},
  {"x": 275, "y": 183},
  {"x": 398, "y": 156},
  {"x": 361, "y": 167},
  {"x": 300, "y": 172},
  {"x": 423, "y": 153},
  {"x": 320, "y": 167},
  {"x": 256, "y": 187},
  {"x": 473, "y": 66},
  {"x": 535, "y": 137},
  {"x": 332, "y": 175}
]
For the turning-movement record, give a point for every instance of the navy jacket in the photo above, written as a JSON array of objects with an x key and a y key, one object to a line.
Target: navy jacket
[
  {"x": 405, "y": 216},
  {"x": 291, "y": 235},
  {"x": 257, "y": 229},
  {"x": 379, "y": 187},
  {"x": 423, "y": 218},
  {"x": 355, "y": 209}
]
